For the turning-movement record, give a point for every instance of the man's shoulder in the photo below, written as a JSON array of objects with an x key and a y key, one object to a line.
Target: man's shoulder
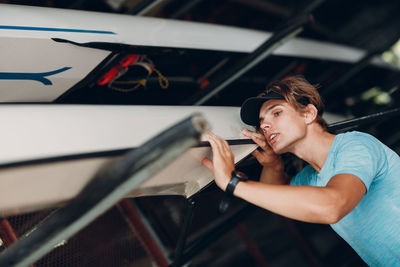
[
  {"x": 356, "y": 136},
  {"x": 354, "y": 141}
]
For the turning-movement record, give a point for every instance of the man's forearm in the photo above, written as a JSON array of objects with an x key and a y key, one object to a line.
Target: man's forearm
[{"x": 304, "y": 203}]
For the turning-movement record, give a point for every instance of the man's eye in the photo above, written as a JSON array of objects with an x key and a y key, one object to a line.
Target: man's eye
[{"x": 277, "y": 113}]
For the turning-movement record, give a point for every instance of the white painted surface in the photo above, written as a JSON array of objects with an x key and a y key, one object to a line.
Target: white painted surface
[
  {"x": 146, "y": 31},
  {"x": 43, "y": 131},
  {"x": 21, "y": 55},
  {"x": 128, "y": 29},
  {"x": 34, "y": 187},
  {"x": 40, "y": 131},
  {"x": 33, "y": 50}
]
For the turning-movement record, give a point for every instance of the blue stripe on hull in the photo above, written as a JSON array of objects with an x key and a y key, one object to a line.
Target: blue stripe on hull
[
  {"x": 40, "y": 77},
  {"x": 24, "y": 28}
]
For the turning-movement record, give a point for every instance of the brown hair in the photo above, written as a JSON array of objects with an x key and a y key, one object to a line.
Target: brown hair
[{"x": 298, "y": 92}]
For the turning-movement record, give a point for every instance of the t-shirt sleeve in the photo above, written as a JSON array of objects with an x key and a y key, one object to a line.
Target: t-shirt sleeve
[
  {"x": 359, "y": 156},
  {"x": 305, "y": 177}
]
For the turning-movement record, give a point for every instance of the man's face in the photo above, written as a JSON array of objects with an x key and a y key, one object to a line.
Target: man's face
[{"x": 282, "y": 125}]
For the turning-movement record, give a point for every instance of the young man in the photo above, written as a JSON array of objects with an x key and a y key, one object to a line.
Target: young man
[{"x": 352, "y": 181}]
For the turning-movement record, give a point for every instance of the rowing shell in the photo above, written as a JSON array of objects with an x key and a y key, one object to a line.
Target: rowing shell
[
  {"x": 50, "y": 152},
  {"x": 53, "y": 50}
]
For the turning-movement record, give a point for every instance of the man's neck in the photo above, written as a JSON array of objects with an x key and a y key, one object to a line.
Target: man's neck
[{"x": 314, "y": 147}]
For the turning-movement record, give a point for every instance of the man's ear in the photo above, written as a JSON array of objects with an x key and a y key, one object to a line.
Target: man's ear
[{"x": 310, "y": 113}]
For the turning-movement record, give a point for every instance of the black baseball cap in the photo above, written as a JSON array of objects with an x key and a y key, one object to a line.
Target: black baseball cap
[{"x": 250, "y": 110}]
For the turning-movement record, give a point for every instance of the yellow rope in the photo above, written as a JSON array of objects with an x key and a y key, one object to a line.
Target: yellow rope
[
  {"x": 162, "y": 81},
  {"x": 128, "y": 90}
]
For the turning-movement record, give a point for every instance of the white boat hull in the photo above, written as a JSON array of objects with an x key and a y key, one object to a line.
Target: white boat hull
[
  {"x": 36, "y": 68},
  {"x": 52, "y": 151}
]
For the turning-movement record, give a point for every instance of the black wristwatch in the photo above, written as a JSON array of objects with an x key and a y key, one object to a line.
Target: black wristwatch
[{"x": 235, "y": 179}]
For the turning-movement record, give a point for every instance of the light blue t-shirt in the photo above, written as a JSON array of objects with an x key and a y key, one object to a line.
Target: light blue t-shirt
[{"x": 372, "y": 228}]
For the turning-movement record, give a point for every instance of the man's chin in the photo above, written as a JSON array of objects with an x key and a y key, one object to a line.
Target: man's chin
[{"x": 278, "y": 150}]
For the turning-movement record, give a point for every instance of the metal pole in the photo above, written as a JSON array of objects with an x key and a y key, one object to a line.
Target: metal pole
[
  {"x": 357, "y": 67},
  {"x": 7, "y": 233},
  {"x": 183, "y": 235},
  {"x": 143, "y": 230},
  {"x": 186, "y": 7},
  {"x": 308, "y": 251},
  {"x": 251, "y": 245},
  {"x": 364, "y": 120},
  {"x": 149, "y": 7},
  {"x": 105, "y": 190},
  {"x": 292, "y": 28},
  {"x": 215, "y": 231}
]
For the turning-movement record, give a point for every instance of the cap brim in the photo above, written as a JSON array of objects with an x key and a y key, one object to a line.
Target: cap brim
[{"x": 250, "y": 110}]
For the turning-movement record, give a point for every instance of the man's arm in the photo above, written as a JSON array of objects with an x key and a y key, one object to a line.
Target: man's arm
[{"x": 306, "y": 203}]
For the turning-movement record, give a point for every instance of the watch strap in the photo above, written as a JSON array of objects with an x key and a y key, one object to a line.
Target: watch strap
[{"x": 235, "y": 179}]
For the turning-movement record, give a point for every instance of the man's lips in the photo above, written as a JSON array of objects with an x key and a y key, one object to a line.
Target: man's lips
[{"x": 272, "y": 138}]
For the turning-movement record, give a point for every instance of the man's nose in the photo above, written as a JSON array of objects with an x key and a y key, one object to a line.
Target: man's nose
[{"x": 265, "y": 125}]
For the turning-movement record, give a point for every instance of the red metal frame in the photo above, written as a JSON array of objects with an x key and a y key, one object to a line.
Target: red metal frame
[
  {"x": 8, "y": 234},
  {"x": 134, "y": 221}
]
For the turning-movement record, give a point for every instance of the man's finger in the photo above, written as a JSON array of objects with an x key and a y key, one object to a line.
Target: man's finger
[
  {"x": 225, "y": 145},
  {"x": 216, "y": 140},
  {"x": 248, "y": 133},
  {"x": 261, "y": 142},
  {"x": 208, "y": 164},
  {"x": 221, "y": 144},
  {"x": 210, "y": 137},
  {"x": 257, "y": 154},
  {"x": 216, "y": 146},
  {"x": 256, "y": 137}
]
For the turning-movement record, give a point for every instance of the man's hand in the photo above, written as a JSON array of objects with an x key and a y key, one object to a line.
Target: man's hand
[
  {"x": 267, "y": 156},
  {"x": 222, "y": 164},
  {"x": 273, "y": 167}
]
